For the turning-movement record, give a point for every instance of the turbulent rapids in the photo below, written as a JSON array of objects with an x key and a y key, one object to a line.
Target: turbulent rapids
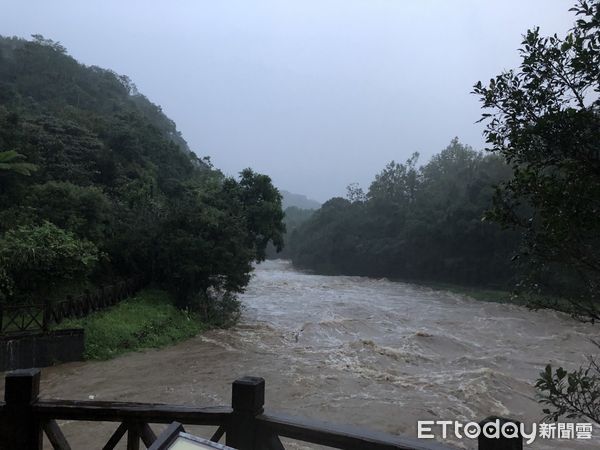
[{"x": 353, "y": 350}]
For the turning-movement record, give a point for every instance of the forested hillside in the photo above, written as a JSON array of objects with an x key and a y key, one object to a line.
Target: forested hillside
[
  {"x": 97, "y": 183},
  {"x": 415, "y": 223}
]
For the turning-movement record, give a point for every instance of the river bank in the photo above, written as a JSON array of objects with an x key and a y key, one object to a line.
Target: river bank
[{"x": 481, "y": 293}]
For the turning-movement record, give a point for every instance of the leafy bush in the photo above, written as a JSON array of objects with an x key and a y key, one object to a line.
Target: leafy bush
[
  {"x": 572, "y": 394},
  {"x": 219, "y": 308},
  {"x": 35, "y": 260}
]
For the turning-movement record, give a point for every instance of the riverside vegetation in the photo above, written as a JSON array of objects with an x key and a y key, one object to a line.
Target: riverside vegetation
[
  {"x": 96, "y": 183},
  {"x": 149, "y": 319}
]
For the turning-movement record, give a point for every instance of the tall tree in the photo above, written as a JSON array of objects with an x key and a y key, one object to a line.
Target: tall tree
[{"x": 544, "y": 119}]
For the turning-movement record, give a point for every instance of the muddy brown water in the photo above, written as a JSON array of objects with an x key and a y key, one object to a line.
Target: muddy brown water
[{"x": 353, "y": 350}]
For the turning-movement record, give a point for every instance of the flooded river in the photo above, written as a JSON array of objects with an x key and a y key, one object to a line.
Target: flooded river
[{"x": 354, "y": 350}]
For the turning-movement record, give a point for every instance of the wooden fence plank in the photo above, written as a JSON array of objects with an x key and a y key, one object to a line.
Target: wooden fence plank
[
  {"x": 55, "y": 435},
  {"x": 216, "y": 437},
  {"x": 116, "y": 437},
  {"x": 146, "y": 434},
  {"x": 338, "y": 436},
  {"x": 128, "y": 411}
]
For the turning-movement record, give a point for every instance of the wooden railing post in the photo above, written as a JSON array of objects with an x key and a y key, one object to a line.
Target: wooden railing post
[
  {"x": 247, "y": 401},
  {"x": 46, "y": 315},
  {"x": 133, "y": 438},
  {"x": 501, "y": 442},
  {"x": 19, "y": 428}
]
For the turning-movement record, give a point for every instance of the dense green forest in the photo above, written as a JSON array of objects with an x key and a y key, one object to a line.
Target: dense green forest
[
  {"x": 96, "y": 183},
  {"x": 414, "y": 222}
]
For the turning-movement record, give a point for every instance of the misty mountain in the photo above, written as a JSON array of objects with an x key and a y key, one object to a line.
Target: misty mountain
[{"x": 298, "y": 200}]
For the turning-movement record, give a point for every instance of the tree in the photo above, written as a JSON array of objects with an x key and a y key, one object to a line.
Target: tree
[
  {"x": 396, "y": 184},
  {"x": 12, "y": 161},
  {"x": 34, "y": 260},
  {"x": 261, "y": 203},
  {"x": 84, "y": 210},
  {"x": 355, "y": 193},
  {"x": 41, "y": 40},
  {"x": 544, "y": 120},
  {"x": 214, "y": 231}
]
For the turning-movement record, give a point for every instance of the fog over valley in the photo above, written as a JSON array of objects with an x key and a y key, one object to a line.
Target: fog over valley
[{"x": 317, "y": 94}]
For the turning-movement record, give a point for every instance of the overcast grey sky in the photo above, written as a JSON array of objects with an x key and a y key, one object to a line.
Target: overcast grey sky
[{"x": 315, "y": 93}]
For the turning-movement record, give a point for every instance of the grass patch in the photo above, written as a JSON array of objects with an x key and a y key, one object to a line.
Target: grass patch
[{"x": 148, "y": 320}]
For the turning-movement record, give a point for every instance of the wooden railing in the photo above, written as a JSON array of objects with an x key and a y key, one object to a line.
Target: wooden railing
[
  {"x": 16, "y": 319},
  {"x": 24, "y": 418}
]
